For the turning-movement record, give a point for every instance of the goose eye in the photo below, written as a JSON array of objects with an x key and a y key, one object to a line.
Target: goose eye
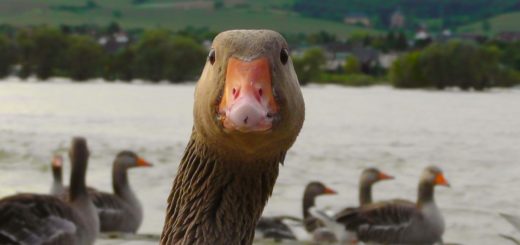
[
  {"x": 211, "y": 56},
  {"x": 284, "y": 56}
]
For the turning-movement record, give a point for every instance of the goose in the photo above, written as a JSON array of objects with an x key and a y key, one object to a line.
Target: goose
[
  {"x": 120, "y": 211},
  {"x": 369, "y": 177},
  {"x": 45, "y": 219},
  {"x": 57, "y": 175},
  {"x": 334, "y": 231},
  {"x": 277, "y": 227},
  {"x": 313, "y": 190},
  {"x": 248, "y": 112},
  {"x": 401, "y": 223}
]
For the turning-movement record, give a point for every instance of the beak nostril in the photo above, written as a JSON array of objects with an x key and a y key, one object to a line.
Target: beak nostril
[
  {"x": 235, "y": 93},
  {"x": 245, "y": 120},
  {"x": 260, "y": 92}
]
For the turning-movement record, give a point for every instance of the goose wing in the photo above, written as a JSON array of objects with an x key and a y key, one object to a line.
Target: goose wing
[
  {"x": 274, "y": 227},
  {"x": 36, "y": 219},
  {"x": 381, "y": 222},
  {"x": 113, "y": 211}
]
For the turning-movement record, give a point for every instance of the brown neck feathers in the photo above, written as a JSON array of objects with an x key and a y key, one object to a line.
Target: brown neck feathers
[{"x": 216, "y": 201}]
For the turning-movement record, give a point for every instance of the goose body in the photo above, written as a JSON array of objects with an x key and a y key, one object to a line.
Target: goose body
[
  {"x": 248, "y": 112},
  {"x": 120, "y": 211},
  {"x": 276, "y": 228},
  {"x": 397, "y": 222},
  {"x": 44, "y": 219}
]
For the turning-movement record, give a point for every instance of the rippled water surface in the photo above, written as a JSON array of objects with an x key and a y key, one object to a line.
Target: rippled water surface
[{"x": 474, "y": 137}]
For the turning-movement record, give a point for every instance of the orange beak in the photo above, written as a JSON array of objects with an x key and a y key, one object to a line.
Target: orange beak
[
  {"x": 384, "y": 176},
  {"x": 329, "y": 191},
  {"x": 57, "y": 161},
  {"x": 143, "y": 163},
  {"x": 440, "y": 180},
  {"x": 248, "y": 103}
]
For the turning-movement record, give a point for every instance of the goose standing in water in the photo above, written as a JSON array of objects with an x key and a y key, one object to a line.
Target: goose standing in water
[
  {"x": 333, "y": 231},
  {"x": 248, "y": 112},
  {"x": 313, "y": 190},
  {"x": 121, "y": 211},
  {"x": 401, "y": 223},
  {"x": 276, "y": 227},
  {"x": 45, "y": 219}
]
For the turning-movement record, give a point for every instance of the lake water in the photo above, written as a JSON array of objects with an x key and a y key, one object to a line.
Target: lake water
[{"x": 474, "y": 137}]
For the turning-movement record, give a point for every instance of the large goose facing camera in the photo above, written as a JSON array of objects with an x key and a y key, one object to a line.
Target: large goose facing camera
[{"x": 248, "y": 112}]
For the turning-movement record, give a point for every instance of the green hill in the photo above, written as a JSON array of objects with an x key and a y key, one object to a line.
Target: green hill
[
  {"x": 175, "y": 15},
  {"x": 497, "y": 24}
]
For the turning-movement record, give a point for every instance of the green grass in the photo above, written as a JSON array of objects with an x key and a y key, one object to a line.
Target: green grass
[
  {"x": 269, "y": 14},
  {"x": 499, "y": 23}
]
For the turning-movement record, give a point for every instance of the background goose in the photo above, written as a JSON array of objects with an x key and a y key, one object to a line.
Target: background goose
[
  {"x": 248, "y": 112},
  {"x": 399, "y": 223},
  {"x": 45, "y": 219},
  {"x": 369, "y": 177},
  {"x": 121, "y": 211},
  {"x": 57, "y": 175},
  {"x": 313, "y": 190},
  {"x": 334, "y": 231},
  {"x": 279, "y": 227}
]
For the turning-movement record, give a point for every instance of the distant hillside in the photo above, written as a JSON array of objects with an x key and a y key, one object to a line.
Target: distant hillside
[
  {"x": 439, "y": 13},
  {"x": 501, "y": 23},
  {"x": 217, "y": 15}
]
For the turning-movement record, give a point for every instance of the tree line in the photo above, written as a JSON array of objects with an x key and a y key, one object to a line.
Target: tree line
[
  {"x": 161, "y": 55},
  {"x": 455, "y": 64},
  {"x": 47, "y": 52}
]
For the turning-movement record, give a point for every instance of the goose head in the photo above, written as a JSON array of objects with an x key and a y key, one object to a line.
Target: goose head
[
  {"x": 371, "y": 176},
  {"x": 129, "y": 159},
  {"x": 434, "y": 176},
  {"x": 248, "y": 96}
]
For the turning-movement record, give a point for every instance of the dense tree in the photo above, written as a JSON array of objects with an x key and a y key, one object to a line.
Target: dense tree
[
  {"x": 41, "y": 51},
  {"x": 199, "y": 34},
  {"x": 7, "y": 56},
  {"x": 187, "y": 59},
  {"x": 85, "y": 58},
  {"x": 321, "y": 37},
  {"x": 310, "y": 66},
  {"x": 152, "y": 54},
  {"x": 120, "y": 65},
  {"x": 352, "y": 65},
  {"x": 113, "y": 27},
  {"x": 160, "y": 56},
  {"x": 460, "y": 64},
  {"x": 401, "y": 43}
]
